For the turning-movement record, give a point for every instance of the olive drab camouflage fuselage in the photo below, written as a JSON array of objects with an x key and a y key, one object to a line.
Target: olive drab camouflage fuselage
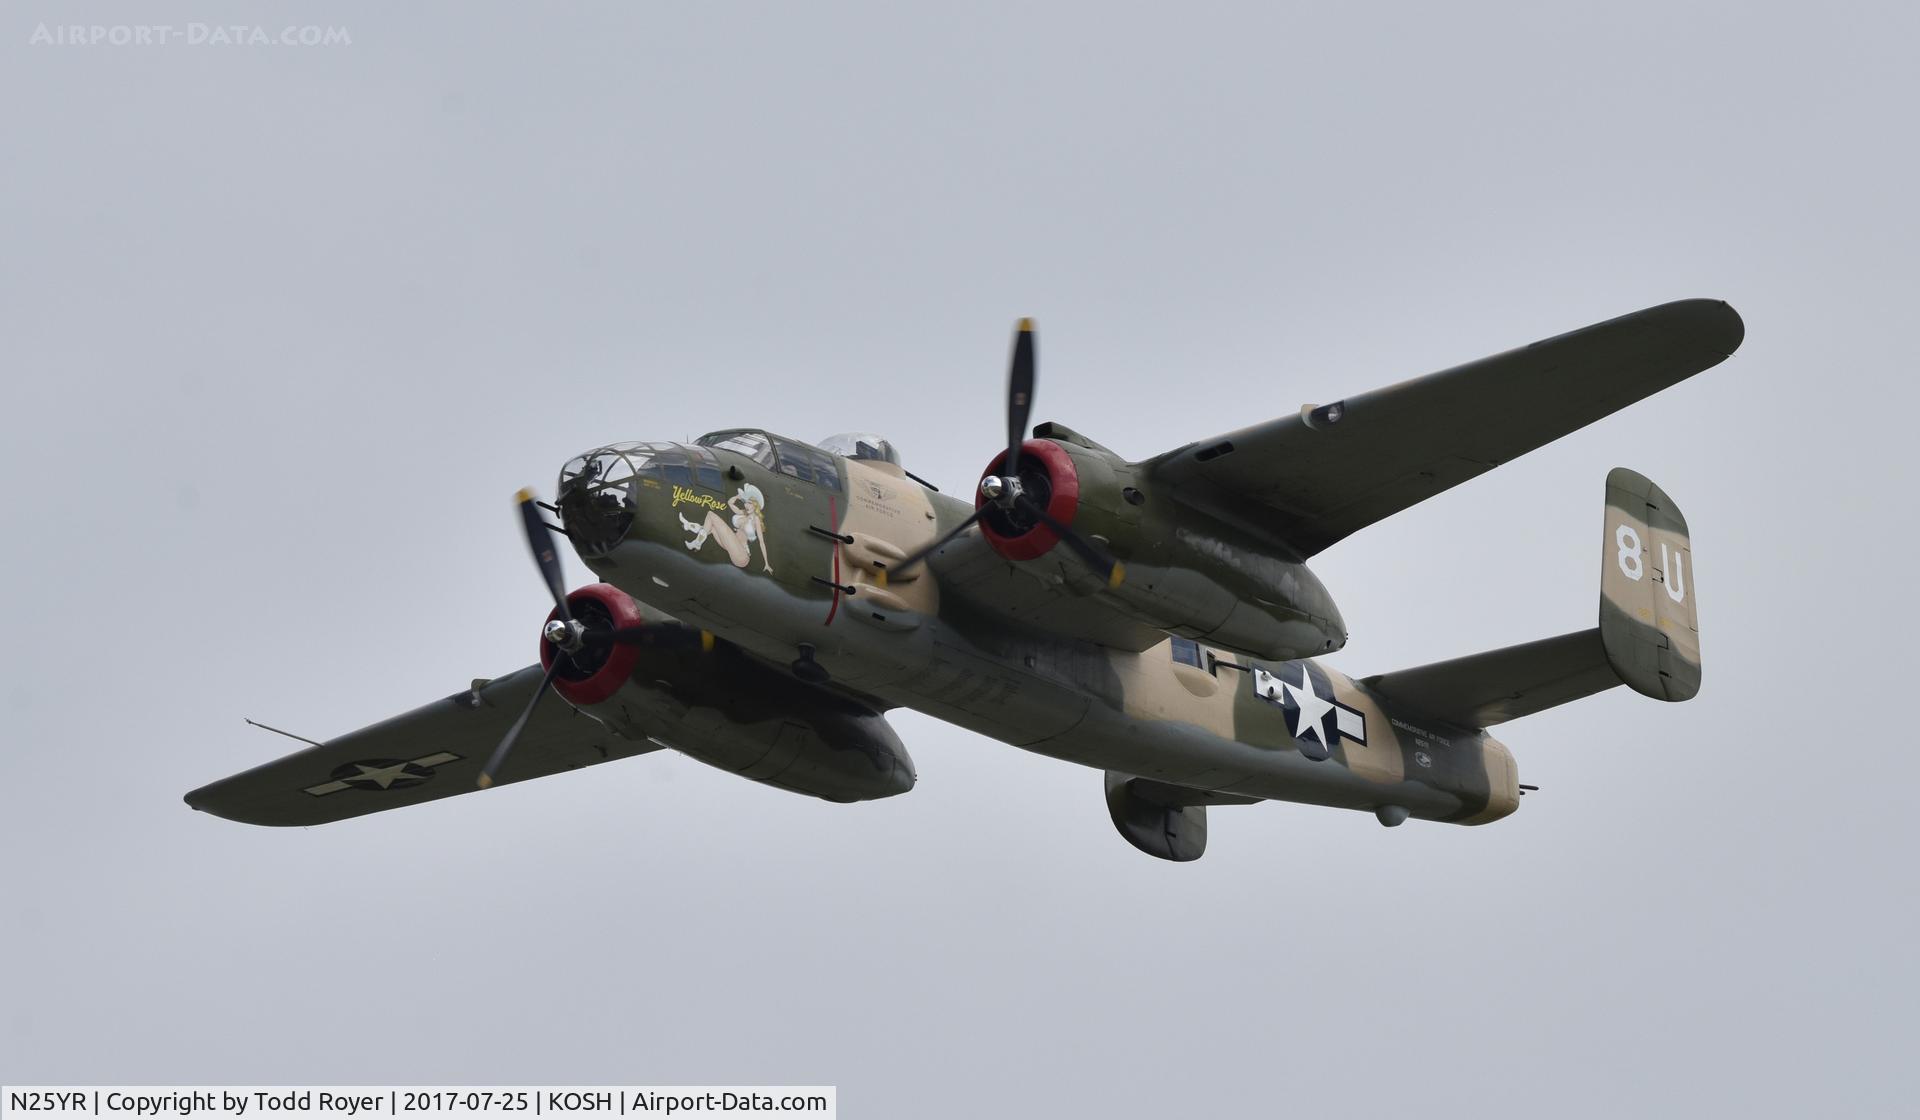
[
  {"x": 1217, "y": 721},
  {"x": 763, "y": 602}
]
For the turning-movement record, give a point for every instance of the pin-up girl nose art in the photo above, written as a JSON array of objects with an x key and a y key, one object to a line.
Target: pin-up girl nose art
[{"x": 738, "y": 534}]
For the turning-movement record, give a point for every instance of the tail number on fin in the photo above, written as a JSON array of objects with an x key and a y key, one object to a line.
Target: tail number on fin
[
  {"x": 1676, "y": 574},
  {"x": 1629, "y": 555},
  {"x": 1627, "y": 541},
  {"x": 1651, "y": 633}
]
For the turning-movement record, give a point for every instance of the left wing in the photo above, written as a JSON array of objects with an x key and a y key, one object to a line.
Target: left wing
[
  {"x": 1312, "y": 478},
  {"x": 431, "y": 752}
]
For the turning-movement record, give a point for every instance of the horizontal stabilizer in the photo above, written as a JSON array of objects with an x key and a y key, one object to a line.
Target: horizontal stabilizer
[{"x": 1488, "y": 688}]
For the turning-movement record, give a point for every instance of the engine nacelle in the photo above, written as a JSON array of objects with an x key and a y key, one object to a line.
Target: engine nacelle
[
  {"x": 713, "y": 702},
  {"x": 591, "y": 676},
  {"x": 1187, "y": 571}
]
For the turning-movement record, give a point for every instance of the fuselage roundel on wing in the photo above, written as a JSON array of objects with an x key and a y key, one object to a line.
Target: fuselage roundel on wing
[{"x": 762, "y": 602}]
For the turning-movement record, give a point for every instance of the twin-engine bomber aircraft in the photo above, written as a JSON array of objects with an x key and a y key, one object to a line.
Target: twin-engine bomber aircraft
[{"x": 764, "y": 602}]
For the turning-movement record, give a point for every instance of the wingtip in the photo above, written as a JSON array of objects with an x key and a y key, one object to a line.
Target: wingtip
[
  {"x": 1734, "y": 325},
  {"x": 219, "y": 800},
  {"x": 1710, "y": 323}
]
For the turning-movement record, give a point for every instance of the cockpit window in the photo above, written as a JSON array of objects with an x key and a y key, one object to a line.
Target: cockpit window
[
  {"x": 785, "y": 456},
  {"x": 754, "y": 445},
  {"x": 861, "y": 445},
  {"x": 808, "y": 464}
]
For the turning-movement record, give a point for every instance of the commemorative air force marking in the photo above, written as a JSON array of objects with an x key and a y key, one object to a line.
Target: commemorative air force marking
[
  {"x": 1314, "y": 718},
  {"x": 382, "y": 773}
]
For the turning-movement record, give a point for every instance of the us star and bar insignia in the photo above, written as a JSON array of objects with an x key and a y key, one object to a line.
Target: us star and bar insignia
[{"x": 382, "y": 774}]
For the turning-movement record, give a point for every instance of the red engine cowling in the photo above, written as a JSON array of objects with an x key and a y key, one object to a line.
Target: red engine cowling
[
  {"x": 1048, "y": 476},
  {"x": 596, "y": 672}
]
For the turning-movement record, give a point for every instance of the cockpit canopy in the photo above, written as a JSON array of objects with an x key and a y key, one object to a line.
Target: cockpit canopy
[
  {"x": 776, "y": 453},
  {"x": 862, "y": 445}
]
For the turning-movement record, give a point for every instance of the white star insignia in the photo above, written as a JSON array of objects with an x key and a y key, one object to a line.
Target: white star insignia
[
  {"x": 384, "y": 776},
  {"x": 1313, "y": 708},
  {"x": 405, "y": 774}
]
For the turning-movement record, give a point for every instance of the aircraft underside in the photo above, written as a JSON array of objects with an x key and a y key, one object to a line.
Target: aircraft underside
[{"x": 765, "y": 602}]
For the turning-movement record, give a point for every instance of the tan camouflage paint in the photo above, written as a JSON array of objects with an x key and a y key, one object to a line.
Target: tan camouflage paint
[
  {"x": 1477, "y": 769},
  {"x": 1155, "y": 687},
  {"x": 995, "y": 692},
  {"x": 888, "y": 516}
]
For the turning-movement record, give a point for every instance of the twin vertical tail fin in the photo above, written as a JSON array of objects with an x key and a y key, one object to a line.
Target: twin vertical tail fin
[{"x": 1649, "y": 624}]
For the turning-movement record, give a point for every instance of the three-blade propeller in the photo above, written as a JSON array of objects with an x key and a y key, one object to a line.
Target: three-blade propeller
[
  {"x": 1005, "y": 491},
  {"x": 569, "y": 635}
]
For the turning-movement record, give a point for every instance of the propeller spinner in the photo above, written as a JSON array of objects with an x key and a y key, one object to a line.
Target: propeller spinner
[
  {"x": 1005, "y": 492},
  {"x": 569, "y": 636}
]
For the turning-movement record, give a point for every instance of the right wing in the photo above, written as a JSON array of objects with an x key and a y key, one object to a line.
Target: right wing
[
  {"x": 1312, "y": 478},
  {"x": 431, "y": 752}
]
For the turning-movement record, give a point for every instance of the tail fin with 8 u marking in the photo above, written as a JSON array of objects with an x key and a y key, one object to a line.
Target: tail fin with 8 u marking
[{"x": 1649, "y": 622}]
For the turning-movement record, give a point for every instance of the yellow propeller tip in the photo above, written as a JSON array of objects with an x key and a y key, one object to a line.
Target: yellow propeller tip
[
  {"x": 880, "y": 577},
  {"x": 1026, "y": 326},
  {"x": 525, "y": 495},
  {"x": 1118, "y": 574},
  {"x": 706, "y": 641}
]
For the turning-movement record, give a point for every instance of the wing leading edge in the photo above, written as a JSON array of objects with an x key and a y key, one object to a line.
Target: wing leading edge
[
  {"x": 1327, "y": 472},
  {"x": 431, "y": 752}
]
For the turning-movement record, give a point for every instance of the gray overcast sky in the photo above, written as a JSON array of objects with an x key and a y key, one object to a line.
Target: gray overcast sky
[{"x": 286, "y": 327}]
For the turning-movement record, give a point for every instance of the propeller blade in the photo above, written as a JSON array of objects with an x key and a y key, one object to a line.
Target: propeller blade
[
  {"x": 1099, "y": 561},
  {"x": 918, "y": 555},
  {"x": 1020, "y": 375},
  {"x": 545, "y": 556},
  {"x": 499, "y": 755}
]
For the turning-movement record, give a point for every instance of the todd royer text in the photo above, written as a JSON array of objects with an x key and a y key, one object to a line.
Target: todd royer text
[{"x": 257, "y": 1102}]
